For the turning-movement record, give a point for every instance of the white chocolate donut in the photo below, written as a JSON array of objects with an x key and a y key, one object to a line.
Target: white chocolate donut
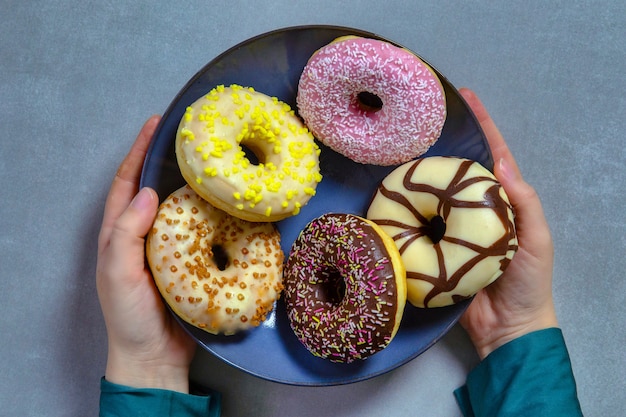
[
  {"x": 210, "y": 152},
  {"x": 217, "y": 272},
  {"x": 453, "y": 224}
]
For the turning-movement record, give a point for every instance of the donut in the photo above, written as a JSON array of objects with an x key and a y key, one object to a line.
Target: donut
[
  {"x": 345, "y": 288},
  {"x": 247, "y": 154},
  {"x": 452, "y": 223},
  {"x": 217, "y": 272},
  {"x": 371, "y": 101}
]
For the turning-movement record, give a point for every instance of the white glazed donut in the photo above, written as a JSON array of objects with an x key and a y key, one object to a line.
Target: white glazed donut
[
  {"x": 210, "y": 152},
  {"x": 453, "y": 224},
  {"x": 217, "y": 272}
]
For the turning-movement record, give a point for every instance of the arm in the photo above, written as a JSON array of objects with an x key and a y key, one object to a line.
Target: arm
[
  {"x": 525, "y": 368},
  {"x": 520, "y": 301},
  {"x": 147, "y": 349}
]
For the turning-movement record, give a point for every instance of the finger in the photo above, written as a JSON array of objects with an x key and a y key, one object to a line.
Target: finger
[
  {"x": 497, "y": 144},
  {"x": 126, "y": 181},
  {"x": 130, "y": 169},
  {"x": 530, "y": 220}
]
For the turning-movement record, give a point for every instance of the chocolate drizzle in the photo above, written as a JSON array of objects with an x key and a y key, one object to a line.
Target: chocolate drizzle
[{"x": 445, "y": 282}]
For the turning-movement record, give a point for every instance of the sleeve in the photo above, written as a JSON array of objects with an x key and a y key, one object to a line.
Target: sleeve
[
  {"x": 122, "y": 401},
  {"x": 529, "y": 376}
]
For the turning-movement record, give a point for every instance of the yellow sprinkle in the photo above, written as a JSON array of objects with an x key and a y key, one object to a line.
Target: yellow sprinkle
[
  {"x": 309, "y": 191},
  {"x": 237, "y": 195},
  {"x": 249, "y": 194},
  {"x": 274, "y": 186},
  {"x": 239, "y": 206},
  {"x": 199, "y": 180},
  {"x": 187, "y": 134},
  {"x": 268, "y": 211}
]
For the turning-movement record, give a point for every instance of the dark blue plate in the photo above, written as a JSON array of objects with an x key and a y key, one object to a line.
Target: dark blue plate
[{"x": 272, "y": 64}]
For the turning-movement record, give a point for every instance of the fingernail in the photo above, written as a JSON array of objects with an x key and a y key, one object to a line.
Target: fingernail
[
  {"x": 506, "y": 170},
  {"x": 143, "y": 199}
]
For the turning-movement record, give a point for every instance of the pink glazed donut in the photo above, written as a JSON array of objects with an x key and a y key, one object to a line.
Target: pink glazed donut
[{"x": 371, "y": 101}]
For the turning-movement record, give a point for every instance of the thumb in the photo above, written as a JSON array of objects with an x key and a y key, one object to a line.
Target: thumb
[
  {"x": 129, "y": 230},
  {"x": 137, "y": 219}
]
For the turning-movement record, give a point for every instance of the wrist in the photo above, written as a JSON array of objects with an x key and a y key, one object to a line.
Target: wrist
[
  {"x": 502, "y": 335},
  {"x": 146, "y": 374}
]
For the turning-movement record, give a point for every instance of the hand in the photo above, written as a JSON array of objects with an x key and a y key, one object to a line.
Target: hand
[
  {"x": 520, "y": 301},
  {"x": 146, "y": 347}
]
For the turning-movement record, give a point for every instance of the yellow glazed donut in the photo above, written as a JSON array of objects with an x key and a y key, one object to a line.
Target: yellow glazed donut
[
  {"x": 211, "y": 144},
  {"x": 453, "y": 224},
  {"x": 217, "y": 272}
]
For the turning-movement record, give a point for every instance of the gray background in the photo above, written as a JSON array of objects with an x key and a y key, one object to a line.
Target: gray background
[{"x": 78, "y": 79}]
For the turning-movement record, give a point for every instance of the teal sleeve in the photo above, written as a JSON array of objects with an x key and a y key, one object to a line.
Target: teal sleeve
[
  {"x": 122, "y": 401},
  {"x": 529, "y": 376}
]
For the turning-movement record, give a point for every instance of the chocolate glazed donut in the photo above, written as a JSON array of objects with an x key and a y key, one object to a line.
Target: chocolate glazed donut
[{"x": 345, "y": 288}]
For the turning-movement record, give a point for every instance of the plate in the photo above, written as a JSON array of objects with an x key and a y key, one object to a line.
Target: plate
[{"x": 272, "y": 64}]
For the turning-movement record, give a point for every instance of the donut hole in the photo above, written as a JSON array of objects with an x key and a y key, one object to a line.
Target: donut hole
[
  {"x": 220, "y": 257},
  {"x": 254, "y": 155},
  {"x": 436, "y": 229},
  {"x": 369, "y": 102},
  {"x": 332, "y": 288}
]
